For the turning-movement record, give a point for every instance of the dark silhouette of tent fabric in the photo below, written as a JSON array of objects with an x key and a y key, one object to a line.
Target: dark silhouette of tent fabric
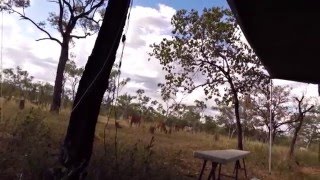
[{"x": 284, "y": 34}]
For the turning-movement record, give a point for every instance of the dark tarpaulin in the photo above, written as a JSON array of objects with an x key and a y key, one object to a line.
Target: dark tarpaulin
[{"x": 285, "y": 35}]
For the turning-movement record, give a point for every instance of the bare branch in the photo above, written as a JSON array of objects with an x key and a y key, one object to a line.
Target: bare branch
[
  {"x": 70, "y": 8},
  {"x": 92, "y": 8},
  {"x": 200, "y": 85},
  {"x": 35, "y": 24},
  {"x": 45, "y": 39},
  {"x": 91, "y": 19},
  {"x": 287, "y": 122},
  {"x": 308, "y": 109},
  {"x": 53, "y": 1},
  {"x": 60, "y": 17},
  {"x": 80, "y": 37},
  {"x": 87, "y": 4}
]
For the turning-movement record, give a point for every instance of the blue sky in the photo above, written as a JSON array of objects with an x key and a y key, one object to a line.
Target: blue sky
[{"x": 42, "y": 7}]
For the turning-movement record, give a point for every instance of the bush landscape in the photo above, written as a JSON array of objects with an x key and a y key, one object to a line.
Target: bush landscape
[
  {"x": 142, "y": 132},
  {"x": 30, "y": 140}
]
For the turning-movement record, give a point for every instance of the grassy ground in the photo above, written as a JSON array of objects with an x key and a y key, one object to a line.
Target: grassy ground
[{"x": 30, "y": 141}]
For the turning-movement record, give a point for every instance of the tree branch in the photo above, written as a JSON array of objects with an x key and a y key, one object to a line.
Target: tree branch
[
  {"x": 91, "y": 19},
  {"x": 35, "y": 24},
  {"x": 200, "y": 85},
  {"x": 70, "y": 9},
  {"x": 60, "y": 17},
  {"x": 287, "y": 122},
  {"x": 41, "y": 39},
  {"x": 93, "y": 7},
  {"x": 53, "y": 1},
  {"x": 308, "y": 109},
  {"x": 80, "y": 37}
]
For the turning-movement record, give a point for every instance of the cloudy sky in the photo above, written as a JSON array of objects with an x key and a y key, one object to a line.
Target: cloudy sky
[{"x": 149, "y": 23}]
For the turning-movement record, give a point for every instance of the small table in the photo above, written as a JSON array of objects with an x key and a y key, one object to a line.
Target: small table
[{"x": 219, "y": 157}]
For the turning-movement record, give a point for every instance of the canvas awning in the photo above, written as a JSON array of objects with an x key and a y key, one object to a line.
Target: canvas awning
[{"x": 285, "y": 35}]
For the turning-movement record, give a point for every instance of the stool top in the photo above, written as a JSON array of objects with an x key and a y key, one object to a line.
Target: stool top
[{"x": 221, "y": 156}]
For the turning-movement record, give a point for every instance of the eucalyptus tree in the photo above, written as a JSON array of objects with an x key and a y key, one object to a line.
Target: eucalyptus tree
[
  {"x": 206, "y": 51},
  {"x": 75, "y": 19}
]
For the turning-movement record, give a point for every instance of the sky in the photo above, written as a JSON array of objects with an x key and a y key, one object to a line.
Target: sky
[{"x": 149, "y": 23}]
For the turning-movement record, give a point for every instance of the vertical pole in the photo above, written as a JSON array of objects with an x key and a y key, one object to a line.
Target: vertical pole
[
  {"x": 319, "y": 152},
  {"x": 1, "y": 68},
  {"x": 270, "y": 127}
]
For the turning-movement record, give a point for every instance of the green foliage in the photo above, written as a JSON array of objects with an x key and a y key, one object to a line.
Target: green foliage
[
  {"x": 72, "y": 75},
  {"x": 206, "y": 51},
  {"x": 210, "y": 126},
  {"x": 29, "y": 144},
  {"x": 18, "y": 83},
  {"x": 280, "y": 107},
  {"x": 115, "y": 85}
]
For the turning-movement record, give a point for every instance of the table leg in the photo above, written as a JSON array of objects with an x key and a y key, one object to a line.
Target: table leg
[
  {"x": 203, "y": 166},
  {"x": 245, "y": 170},
  {"x": 213, "y": 171},
  {"x": 236, "y": 167},
  {"x": 219, "y": 172}
]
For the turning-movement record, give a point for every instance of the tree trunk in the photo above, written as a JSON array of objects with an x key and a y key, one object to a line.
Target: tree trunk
[
  {"x": 64, "y": 56},
  {"x": 239, "y": 128},
  {"x": 78, "y": 143},
  {"x": 232, "y": 132},
  {"x": 308, "y": 144},
  {"x": 295, "y": 135}
]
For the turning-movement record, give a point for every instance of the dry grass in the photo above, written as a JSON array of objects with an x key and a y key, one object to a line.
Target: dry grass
[{"x": 30, "y": 140}]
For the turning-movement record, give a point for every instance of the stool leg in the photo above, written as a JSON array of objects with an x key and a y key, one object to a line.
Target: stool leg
[
  {"x": 219, "y": 172},
  {"x": 203, "y": 166},
  {"x": 213, "y": 171},
  {"x": 236, "y": 168},
  {"x": 245, "y": 170}
]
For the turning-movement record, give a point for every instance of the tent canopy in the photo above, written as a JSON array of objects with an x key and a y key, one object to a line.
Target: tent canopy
[{"x": 284, "y": 34}]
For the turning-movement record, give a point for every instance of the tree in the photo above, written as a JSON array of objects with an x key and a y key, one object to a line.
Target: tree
[
  {"x": 210, "y": 125},
  {"x": 247, "y": 114},
  {"x": 310, "y": 130},
  {"x": 303, "y": 108},
  {"x": 77, "y": 147},
  {"x": 72, "y": 76},
  {"x": 115, "y": 85},
  {"x": 226, "y": 118},
  {"x": 279, "y": 108},
  {"x": 124, "y": 103},
  {"x": 19, "y": 81},
  {"x": 206, "y": 52},
  {"x": 45, "y": 91},
  {"x": 192, "y": 116},
  {"x": 143, "y": 101},
  {"x": 71, "y": 15}
]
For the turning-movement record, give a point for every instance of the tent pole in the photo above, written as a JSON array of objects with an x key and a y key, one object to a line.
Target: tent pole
[{"x": 270, "y": 127}]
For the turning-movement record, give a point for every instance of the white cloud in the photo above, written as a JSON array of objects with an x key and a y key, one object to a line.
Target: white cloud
[{"x": 147, "y": 25}]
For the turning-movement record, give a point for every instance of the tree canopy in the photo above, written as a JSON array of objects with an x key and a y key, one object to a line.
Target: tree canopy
[{"x": 206, "y": 51}]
